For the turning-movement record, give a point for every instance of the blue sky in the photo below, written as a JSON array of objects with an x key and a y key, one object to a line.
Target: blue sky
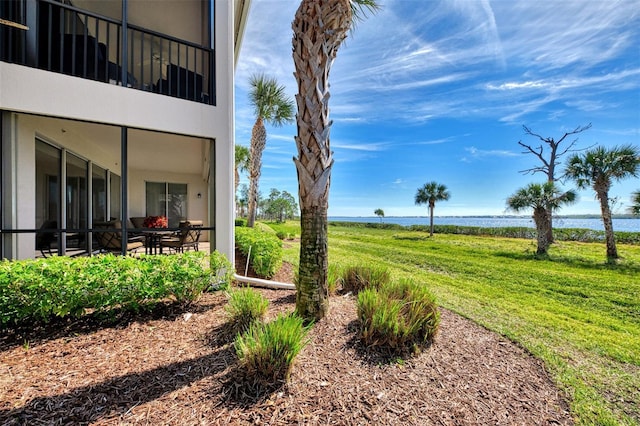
[{"x": 439, "y": 90}]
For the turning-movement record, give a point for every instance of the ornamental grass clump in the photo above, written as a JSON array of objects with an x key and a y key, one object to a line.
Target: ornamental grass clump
[
  {"x": 401, "y": 316},
  {"x": 334, "y": 278},
  {"x": 267, "y": 351},
  {"x": 359, "y": 277},
  {"x": 245, "y": 307}
]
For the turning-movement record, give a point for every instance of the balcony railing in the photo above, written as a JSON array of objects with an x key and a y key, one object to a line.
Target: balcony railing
[{"x": 77, "y": 42}]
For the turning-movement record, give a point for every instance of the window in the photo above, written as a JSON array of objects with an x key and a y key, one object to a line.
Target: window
[
  {"x": 167, "y": 199},
  {"x": 53, "y": 164},
  {"x": 99, "y": 194}
]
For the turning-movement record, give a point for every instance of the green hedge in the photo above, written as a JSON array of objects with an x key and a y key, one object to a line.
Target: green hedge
[
  {"x": 59, "y": 286},
  {"x": 560, "y": 234},
  {"x": 265, "y": 247}
]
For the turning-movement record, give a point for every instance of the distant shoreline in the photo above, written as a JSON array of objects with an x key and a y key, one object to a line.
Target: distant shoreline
[
  {"x": 570, "y": 216},
  {"x": 620, "y": 222}
]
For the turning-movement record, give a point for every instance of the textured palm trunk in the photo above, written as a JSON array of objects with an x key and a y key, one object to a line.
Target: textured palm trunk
[
  {"x": 541, "y": 219},
  {"x": 549, "y": 226},
  {"x": 603, "y": 196},
  {"x": 258, "y": 142},
  {"x": 431, "y": 207},
  {"x": 549, "y": 218},
  {"x": 319, "y": 28}
]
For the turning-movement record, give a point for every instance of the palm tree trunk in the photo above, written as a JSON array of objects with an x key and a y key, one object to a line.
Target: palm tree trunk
[
  {"x": 541, "y": 219},
  {"x": 258, "y": 142},
  {"x": 319, "y": 27},
  {"x": 431, "y": 207},
  {"x": 603, "y": 196},
  {"x": 312, "y": 296},
  {"x": 549, "y": 226}
]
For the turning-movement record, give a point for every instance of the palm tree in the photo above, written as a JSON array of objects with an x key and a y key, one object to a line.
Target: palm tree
[
  {"x": 635, "y": 207},
  {"x": 319, "y": 28},
  {"x": 543, "y": 199},
  {"x": 379, "y": 213},
  {"x": 429, "y": 194},
  {"x": 243, "y": 200},
  {"x": 273, "y": 106},
  {"x": 242, "y": 163},
  {"x": 598, "y": 168}
]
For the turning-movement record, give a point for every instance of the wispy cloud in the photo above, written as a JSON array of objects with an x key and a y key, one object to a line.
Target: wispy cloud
[
  {"x": 479, "y": 153},
  {"x": 369, "y": 147},
  {"x": 512, "y": 86},
  {"x": 545, "y": 37}
]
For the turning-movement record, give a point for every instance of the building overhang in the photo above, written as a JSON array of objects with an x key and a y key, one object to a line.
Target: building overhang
[{"x": 241, "y": 13}]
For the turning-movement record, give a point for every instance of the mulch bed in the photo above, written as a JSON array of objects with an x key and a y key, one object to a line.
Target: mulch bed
[{"x": 176, "y": 365}]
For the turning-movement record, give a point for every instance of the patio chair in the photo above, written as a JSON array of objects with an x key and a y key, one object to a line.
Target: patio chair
[
  {"x": 44, "y": 240},
  {"x": 111, "y": 241},
  {"x": 137, "y": 222},
  {"x": 188, "y": 237},
  {"x": 136, "y": 225}
]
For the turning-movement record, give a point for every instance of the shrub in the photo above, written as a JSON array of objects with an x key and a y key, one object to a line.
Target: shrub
[
  {"x": 401, "y": 316},
  {"x": 264, "y": 228},
  {"x": 246, "y": 306},
  {"x": 356, "y": 278},
  {"x": 241, "y": 221},
  {"x": 220, "y": 271},
  {"x": 267, "y": 351},
  {"x": 59, "y": 286},
  {"x": 264, "y": 250},
  {"x": 281, "y": 235}
]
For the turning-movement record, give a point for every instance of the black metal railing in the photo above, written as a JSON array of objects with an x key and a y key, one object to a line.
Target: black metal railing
[
  {"x": 173, "y": 67},
  {"x": 13, "y": 31},
  {"x": 77, "y": 42},
  {"x": 84, "y": 241}
]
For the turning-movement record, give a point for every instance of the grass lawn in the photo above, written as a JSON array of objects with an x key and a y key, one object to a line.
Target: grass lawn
[{"x": 578, "y": 314}]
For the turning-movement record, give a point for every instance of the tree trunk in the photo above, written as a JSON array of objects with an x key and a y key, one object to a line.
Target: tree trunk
[
  {"x": 541, "y": 219},
  {"x": 603, "y": 196},
  {"x": 319, "y": 27},
  {"x": 549, "y": 226},
  {"x": 258, "y": 142},
  {"x": 312, "y": 296},
  {"x": 431, "y": 207}
]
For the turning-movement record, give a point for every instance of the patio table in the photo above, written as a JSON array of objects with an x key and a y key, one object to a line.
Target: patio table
[{"x": 152, "y": 238}]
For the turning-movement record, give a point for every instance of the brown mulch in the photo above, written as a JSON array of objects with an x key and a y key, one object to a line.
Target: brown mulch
[{"x": 177, "y": 366}]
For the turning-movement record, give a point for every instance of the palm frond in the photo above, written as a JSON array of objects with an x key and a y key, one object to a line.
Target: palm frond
[{"x": 360, "y": 9}]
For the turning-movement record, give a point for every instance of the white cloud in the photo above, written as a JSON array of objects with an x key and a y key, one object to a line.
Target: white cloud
[
  {"x": 369, "y": 147},
  {"x": 512, "y": 86},
  {"x": 478, "y": 153}
]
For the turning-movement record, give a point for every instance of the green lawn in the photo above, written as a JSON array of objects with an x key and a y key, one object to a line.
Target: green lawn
[{"x": 578, "y": 314}]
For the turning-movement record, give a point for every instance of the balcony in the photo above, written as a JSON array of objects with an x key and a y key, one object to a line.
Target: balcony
[{"x": 62, "y": 38}]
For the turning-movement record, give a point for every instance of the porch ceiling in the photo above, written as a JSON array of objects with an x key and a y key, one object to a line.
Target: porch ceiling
[{"x": 148, "y": 150}]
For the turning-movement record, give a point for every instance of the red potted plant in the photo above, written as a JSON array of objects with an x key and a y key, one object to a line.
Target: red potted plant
[{"x": 156, "y": 222}]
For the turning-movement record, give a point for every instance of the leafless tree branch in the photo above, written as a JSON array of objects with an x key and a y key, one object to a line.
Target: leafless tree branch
[{"x": 550, "y": 161}]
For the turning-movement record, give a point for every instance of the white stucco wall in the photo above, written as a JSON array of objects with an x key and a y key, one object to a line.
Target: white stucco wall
[{"x": 225, "y": 144}]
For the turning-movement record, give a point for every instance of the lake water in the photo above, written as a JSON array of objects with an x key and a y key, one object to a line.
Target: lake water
[{"x": 628, "y": 225}]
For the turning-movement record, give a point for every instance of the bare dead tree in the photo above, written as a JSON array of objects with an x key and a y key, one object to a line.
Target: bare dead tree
[{"x": 549, "y": 153}]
